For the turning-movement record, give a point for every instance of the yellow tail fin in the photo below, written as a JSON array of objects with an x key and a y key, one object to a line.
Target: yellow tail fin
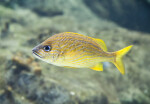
[{"x": 118, "y": 61}]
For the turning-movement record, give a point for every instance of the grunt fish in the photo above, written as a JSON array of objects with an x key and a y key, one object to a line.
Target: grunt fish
[{"x": 74, "y": 50}]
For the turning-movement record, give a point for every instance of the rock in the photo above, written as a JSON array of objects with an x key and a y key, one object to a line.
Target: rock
[
  {"x": 7, "y": 98},
  {"x": 133, "y": 15},
  {"x": 44, "y": 8},
  {"x": 136, "y": 97},
  {"x": 31, "y": 81},
  {"x": 25, "y": 84}
]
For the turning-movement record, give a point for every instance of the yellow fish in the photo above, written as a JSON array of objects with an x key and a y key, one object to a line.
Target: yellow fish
[{"x": 74, "y": 50}]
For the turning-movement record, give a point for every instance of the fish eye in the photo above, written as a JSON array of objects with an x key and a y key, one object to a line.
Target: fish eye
[{"x": 47, "y": 48}]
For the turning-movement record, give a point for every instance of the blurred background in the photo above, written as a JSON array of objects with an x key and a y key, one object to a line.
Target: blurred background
[{"x": 120, "y": 23}]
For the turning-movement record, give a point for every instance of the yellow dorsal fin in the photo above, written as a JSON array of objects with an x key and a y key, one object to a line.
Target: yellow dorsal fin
[
  {"x": 98, "y": 67},
  {"x": 98, "y": 41},
  {"x": 101, "y": 43}
]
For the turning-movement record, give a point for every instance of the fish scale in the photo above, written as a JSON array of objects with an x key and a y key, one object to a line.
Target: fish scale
[{"x": 70, "y": 49}]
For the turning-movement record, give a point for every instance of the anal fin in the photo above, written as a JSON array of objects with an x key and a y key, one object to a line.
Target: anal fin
[{"x": 98, "y": 67}]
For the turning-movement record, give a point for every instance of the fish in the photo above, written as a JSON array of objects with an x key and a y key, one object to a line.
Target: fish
[{"x": 74, "y": 50}]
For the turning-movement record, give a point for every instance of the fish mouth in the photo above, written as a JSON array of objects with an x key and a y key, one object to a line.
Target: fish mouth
[{"x": 35, "y": 53}]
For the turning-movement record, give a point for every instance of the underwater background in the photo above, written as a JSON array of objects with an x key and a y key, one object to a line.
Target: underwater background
[{"x": 120, "y": 23}]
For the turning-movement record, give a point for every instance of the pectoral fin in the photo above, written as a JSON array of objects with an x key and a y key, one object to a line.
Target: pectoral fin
[{"x": 98, "y": 67}]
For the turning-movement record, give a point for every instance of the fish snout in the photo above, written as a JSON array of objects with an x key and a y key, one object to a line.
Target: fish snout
[
  {"x": 35, "y": 50},
  {"x": 36, "y": 53}
]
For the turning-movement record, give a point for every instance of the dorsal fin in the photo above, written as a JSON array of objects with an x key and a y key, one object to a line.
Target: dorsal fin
[
  {"x": 101, "y": 43},
  {"x": 98, "y": 41}
]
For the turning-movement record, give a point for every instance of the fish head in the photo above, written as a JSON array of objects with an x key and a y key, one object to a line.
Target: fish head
[{"x": 43, "y": 52}]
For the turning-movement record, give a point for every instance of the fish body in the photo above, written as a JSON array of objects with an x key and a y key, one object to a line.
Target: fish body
[{"x": 74, "y": 50}]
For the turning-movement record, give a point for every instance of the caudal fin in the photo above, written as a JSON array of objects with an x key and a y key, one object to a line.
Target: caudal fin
[{"x": 118, "y": 61}]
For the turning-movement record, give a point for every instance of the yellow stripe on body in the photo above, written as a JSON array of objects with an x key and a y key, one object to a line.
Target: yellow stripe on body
[
  {"x": 74, "y": 38},
  {"x": 76, "y": 48}
]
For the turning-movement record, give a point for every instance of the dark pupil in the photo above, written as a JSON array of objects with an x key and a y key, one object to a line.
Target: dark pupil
[{"x": 47, "y": 48}]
